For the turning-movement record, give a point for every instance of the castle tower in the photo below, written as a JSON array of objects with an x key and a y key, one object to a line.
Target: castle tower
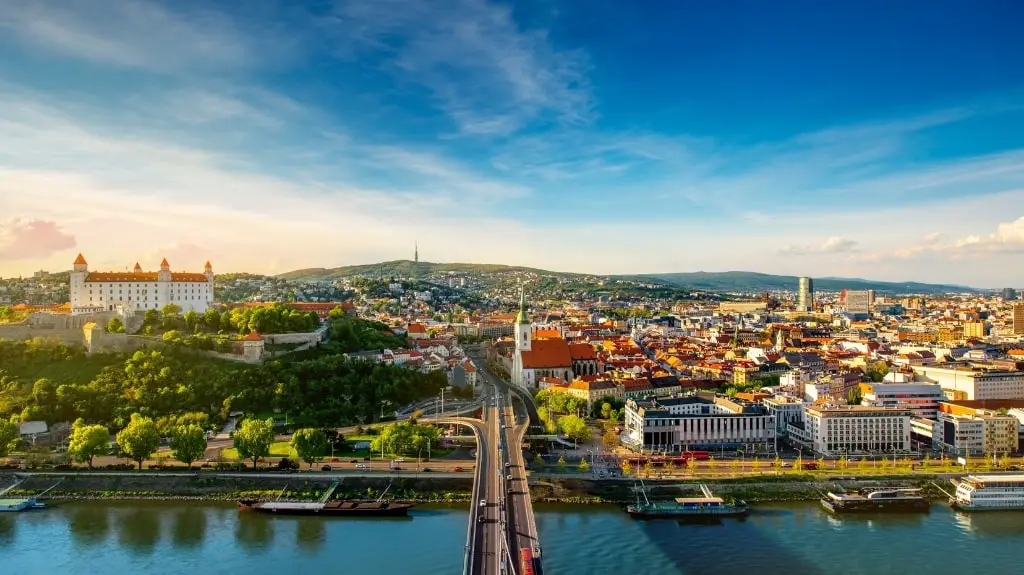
[
  {"x": 80, "y": 271},
  {"x": 164, "y": 275},
  {"x": 208, "y": 271},
  {"x": 524, "y": 332}
]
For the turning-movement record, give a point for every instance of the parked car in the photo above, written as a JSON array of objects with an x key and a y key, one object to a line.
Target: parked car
[
  {"x": 457, "y": 469},
  {"x": 400, "y": 460},
  {"x": 325, "y": 468},
  {"x": 354, "y": 461},
  {"x": 360, "y": 466}
]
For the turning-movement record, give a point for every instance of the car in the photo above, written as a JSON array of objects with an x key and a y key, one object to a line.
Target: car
[
  {"x": 427, "y": 470},
  {"x": 787, "y": 464},
  {"x": 483, "y": 503},
  {"x": 400, "y": 460},
  {"x": 367, "y": 458},
  {"x": 360, "y": 466},
  {"x": 507, "y": 465},
  {"x": 457, "y": 469},
  {"x": 354, "y": 461},
  {"x": 481, "y": 519},
  {"x": 508, "y": 477},
  {"x": 325, "y": 468}
]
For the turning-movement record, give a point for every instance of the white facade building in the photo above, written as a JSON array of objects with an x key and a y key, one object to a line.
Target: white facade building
[
  {"x": 855, "y": 430},
  {"x": 785, "y": 409},
  {"x": 974, "y": 382},
  {"x": 922, "y": 399},
  {"x": 138, "y": 290},
  {"x": 692, "y": 423}
]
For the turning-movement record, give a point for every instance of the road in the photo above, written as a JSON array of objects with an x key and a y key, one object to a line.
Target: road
[
  {"x": 487, "y": 524},
  {"x": 522, "y": 529}
]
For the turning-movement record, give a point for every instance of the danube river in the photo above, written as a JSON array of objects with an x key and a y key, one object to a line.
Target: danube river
[{"x": 792, "y": 539}]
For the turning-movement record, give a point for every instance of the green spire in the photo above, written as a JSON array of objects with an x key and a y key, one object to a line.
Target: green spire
[{"x": 522, "y": 318}]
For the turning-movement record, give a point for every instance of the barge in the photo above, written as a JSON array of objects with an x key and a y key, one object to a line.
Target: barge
[
  {"x": 708, "y": 506},
  {"x": 341, "y": 507},
  {"x": 876, "y": 501}
]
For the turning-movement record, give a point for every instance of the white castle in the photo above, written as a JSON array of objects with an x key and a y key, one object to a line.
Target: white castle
[{"x": 126, "y": 292}]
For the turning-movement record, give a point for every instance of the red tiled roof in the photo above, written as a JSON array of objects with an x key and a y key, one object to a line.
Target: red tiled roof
[
  {"x": 253, "y": 336},
  {"x": 417, "y": 328},
  {"x": 547, "y": 333},
  {"x": 141, "y": 277},
  {"x": 547, "y": 353},
  {"x": 80, "y": 260},
  {"x": 581, "y": 351}
]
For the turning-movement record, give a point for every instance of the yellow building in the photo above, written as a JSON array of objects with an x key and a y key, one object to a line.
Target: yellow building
[{"x": 974, "y": 329}]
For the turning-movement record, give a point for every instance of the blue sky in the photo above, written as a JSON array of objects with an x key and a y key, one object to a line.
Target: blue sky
[{"x": 871, "y": 139}]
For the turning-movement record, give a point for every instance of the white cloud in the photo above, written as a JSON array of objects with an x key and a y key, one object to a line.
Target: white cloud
[
  {"x": 487, "y": 73},
  {"x": 832, "y": 245},
  {"x": 24, "y": 239},
  {"x": 1008, "y": 237}
]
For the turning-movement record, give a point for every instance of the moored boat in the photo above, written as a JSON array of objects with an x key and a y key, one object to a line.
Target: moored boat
[
  {"x": 15, "y": 504},
  {"x": 341, "y": 507},
  {"x": 988, "y": 493},
  {"x": 686, "y": 507},
  {"x": 876, "y": 500}
]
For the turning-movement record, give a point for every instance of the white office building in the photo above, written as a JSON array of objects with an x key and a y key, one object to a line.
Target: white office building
[
  {"x": 964, "y": 381},
  {"x": 853, "y": 430},
  {"x": 922, "y": 399},
  {"x": 693, "y": 423}
]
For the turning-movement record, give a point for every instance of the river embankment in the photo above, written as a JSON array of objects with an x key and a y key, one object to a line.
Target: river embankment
[{"x": 422, "y": 488}]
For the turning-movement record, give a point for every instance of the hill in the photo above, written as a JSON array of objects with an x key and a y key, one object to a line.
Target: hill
[
  {"x": 400, "y": 268},
  {"x": 737, "y": 281},
  {"x": 732, "y": 281}
]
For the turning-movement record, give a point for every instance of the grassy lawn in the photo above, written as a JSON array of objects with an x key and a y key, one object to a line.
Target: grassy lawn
[{"x": 277, "y": 449}]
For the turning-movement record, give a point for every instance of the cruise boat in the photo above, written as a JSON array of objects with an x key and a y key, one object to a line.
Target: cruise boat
[
  {"x": 685, "y": 507},
  {"x": 988, "y": 492},
  {"x": 875, "y": 500}
]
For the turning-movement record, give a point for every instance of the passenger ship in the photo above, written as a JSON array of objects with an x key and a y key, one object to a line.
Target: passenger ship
[{"x": 988, "y": 492}]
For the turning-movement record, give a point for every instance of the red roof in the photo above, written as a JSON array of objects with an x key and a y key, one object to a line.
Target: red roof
[
  {"x": 79, "y": 261},
  {"x": 417, "y": 328},
  {"x": 164, "y": 264},
  {"x": 580, "y": 351},
  {"x": 547, "y": 353},
  {"x": 253, "y": 336}
]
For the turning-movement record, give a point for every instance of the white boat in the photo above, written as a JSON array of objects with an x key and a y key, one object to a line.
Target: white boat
[{"x": 988, "y": 492}]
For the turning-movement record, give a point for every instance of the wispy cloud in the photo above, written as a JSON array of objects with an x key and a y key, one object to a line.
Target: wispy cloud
[
  {"x": 137, "y": 34},
  {"x": 489, "y": 75},
  {"x": 832, "y": 245}
]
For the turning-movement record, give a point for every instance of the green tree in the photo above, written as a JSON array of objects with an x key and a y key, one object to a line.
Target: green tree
[
  {"x": 170, "y": 309},
  {"x": 115, "y": 325},
  {"x": 310, "y": 445},
  {"x": 538, "y": 461},
  {"x": 87, "y": 441},
  {"x": 253, "y": 439},
  {"x": 191, "y": 320},
  {"x": 648, "y": 468},
  {"x": 574, "y": 428},
  {"x": 610, "y": 439},
  {"x": 606, "y": 410},
  {"x": 188, "y": 443},
  {"x": 583, "y": 466},
  {"x": 626, "y": 467},
  {"x": 151, "y": 318},
  {"x": 8, "y": 433},
  {"x": 212, "y": 319},
  {"x": 854, "y": 396},
  {"x": 139, "y": 439},
  {"x": 560, "y": 463}
]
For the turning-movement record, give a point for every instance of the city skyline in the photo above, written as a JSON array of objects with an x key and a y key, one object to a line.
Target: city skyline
[{"x": 877, "y": 142}]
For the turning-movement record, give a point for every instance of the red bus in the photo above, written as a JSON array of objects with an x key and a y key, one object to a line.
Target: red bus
[{"x": 525, "y": 562}]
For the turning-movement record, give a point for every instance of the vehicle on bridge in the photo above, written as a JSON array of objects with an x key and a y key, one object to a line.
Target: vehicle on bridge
[{"x": 525, "y": 562}]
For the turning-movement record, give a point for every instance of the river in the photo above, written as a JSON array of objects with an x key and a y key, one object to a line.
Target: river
[{"x": 158, "y": 538}]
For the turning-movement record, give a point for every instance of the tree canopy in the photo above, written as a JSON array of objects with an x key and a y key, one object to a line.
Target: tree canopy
[
  {"x": 253, "y": 439},
  {"x": 309, "y": 444},
  {"x": 8, "y": 433},
  {"x": 406, "y": 438},
  {"x": 188, "y": 443},
  {"x": 139, "y": 439},
  {"x": 88, "y": 441}
]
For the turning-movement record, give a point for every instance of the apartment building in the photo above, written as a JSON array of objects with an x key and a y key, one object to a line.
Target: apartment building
[
  {"x": 853, "y": 430},
  {"x": 964, "y": 431}
]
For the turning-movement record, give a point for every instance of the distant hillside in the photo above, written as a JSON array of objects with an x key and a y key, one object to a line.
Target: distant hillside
[
  {"x": 751, "y": 281},
  {"x": 398, "y": 268}
]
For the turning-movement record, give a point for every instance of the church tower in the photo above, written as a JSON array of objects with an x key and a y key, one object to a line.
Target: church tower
[{"x": 524, "y": 331}]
